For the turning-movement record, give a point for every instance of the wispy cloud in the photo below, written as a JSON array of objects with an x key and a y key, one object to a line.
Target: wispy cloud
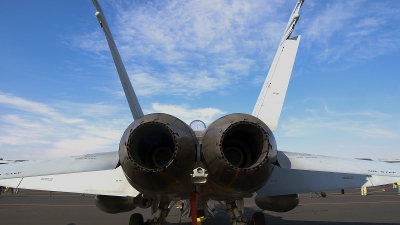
[
  {"x": 218, "y": 45},
  {"x": 68, "y": 128},
  {"x": 321, "y": 121},
  {"x": 34, "y": 107},
  {"x": 325, "y": 22},
  {"x": 191, "y": 47},
  {"x": 93, "y": 43},
  {"x": 351, "y": 30},
  {"x": 57, "y": 128},
  {"x": 187, "y": 114}
]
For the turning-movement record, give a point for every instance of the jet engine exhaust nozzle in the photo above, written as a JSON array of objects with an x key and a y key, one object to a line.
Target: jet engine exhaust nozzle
[
  {"x": 157, "y": 153},
  {"x": 237, "y": 151}
]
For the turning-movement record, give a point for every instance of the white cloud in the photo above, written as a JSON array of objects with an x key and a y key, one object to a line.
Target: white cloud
[
  {"x": 22, "y": 104},
  {"x": 191, "y": 47},
  {"x": 217, "y": 45},
  {"x": 93, "y": 42},
  {"x": 371, "y": 22},
  {"x": 187, "y": 114},
  {"x": 326, "y": 122},
  {"x": 328, "y": 21},
  {"x": 34, "y": 129},
  {"x": 351, "y": 30}
]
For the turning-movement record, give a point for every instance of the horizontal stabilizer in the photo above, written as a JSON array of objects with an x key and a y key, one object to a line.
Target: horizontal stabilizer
[
  {"x": 71, "y": 164},
  {"x": 300, "y": 173},
  {"x": 105, "y": 182}
]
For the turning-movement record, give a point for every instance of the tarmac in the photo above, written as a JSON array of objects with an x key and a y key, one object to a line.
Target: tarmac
[{"x": 381, "y": 206}]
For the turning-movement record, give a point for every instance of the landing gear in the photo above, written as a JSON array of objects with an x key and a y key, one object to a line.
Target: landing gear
[
  {"x": 160, "y": 211},
  {"x": 235, "y": 209},
  {"x": 235, "y": 214},
  {"x": 136, "y": 219},
  {"x": 258, "y": 218}
]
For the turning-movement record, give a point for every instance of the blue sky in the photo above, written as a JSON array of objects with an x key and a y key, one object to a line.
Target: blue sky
[{"x": 60, "y": 94}]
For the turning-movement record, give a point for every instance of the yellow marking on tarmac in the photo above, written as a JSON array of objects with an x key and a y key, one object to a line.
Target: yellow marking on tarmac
[
  {"x": 356, "y": 191},
  {"x": 199, "y": 220},
  {"x": 346, "y": 203}
]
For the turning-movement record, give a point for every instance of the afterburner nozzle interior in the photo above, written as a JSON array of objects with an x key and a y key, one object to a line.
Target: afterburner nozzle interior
[
  {"x": 157, "y": 154},
  {"x": 152, "y": 145},
  {"x": 242, "y": 145},
  {"x": 235, "y": 151}
]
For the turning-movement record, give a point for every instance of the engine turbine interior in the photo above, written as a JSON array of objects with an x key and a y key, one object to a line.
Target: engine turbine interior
[
  {"x": 238, "y": 151},
  {"x": 157, "y": 152}
]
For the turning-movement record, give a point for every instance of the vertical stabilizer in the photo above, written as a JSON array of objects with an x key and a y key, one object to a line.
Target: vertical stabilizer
[
  {"x": 130, "y": 95},
  {"x": 269, "y": 105}
]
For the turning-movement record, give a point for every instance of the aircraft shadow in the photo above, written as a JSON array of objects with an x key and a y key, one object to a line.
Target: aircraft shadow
[{"x": 221, "y": 218}]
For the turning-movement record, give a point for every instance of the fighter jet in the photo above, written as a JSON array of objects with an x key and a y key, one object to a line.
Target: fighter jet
[{"x": 162, "y": 160}]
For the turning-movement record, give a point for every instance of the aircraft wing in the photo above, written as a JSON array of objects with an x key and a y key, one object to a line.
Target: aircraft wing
[{"x": 300, "y": 173}]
